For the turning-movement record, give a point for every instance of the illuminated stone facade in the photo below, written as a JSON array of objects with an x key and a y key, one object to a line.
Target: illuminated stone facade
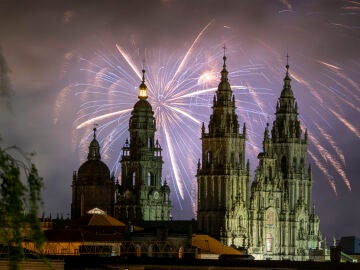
[
  {"x": 223, "y": 177},
  {"x": 276, "y": 219},
  {"x": 141, "y": 195}
]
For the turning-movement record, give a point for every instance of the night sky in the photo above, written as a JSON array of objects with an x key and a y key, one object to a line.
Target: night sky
[{"x": 57, "y": 53}]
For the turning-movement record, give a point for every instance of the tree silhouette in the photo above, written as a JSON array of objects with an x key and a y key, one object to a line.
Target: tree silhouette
[{"x": 20, "y": 198}]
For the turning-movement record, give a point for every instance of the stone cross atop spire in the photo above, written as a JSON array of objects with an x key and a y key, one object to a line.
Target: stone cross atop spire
[{"x": 224, "y": 72}]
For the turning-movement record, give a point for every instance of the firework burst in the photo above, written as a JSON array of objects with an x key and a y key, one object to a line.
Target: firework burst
[{"x": 181, "y": 86}]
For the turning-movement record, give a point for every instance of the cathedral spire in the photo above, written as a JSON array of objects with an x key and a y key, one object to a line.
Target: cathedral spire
[
  {"x": 224, "y": 93},
  {"x": 143, "y": 87},
  {"x": 287, "y": 92},
  {"x": 94, "y": 148},
  {"x": 224, "y": 72}
]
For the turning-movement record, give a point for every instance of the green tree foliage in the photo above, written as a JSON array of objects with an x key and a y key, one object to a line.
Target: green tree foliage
[{"x": 20, "y": 199}]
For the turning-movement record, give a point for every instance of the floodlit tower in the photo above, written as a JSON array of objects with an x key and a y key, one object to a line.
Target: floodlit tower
[
  {"x": 223, "y": 177},
  {"x": 282, "y": 222},
  {"x": 141, "y": 195}
]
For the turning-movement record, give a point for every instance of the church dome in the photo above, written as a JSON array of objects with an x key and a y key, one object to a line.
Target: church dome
[
  {"x": 142, "y": 106},
  {"x": 287, "y": 93},
  {"x": 93, "y": 172}
]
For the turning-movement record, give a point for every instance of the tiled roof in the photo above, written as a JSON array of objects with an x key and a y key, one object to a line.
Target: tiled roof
[{"x": 213, "y": 246}]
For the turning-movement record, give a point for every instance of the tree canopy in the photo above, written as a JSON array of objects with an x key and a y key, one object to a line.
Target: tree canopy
[{"x": 20, "y": 200}]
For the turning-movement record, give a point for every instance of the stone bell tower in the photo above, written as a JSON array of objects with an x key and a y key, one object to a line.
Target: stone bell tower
[
  {"x": 283, "y": 223},
  {"x": 223, "y": 177},
  {"x": 141, "y": 195}
]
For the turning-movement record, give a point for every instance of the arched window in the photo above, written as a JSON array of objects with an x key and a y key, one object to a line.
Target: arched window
[
  {"x": 302, "y": 163},
  {"x": 219, "y": 158},
  {"x": 149, "y": 251},
  {"x": 181, "y": 253},
  {"x": 294, "y": 164},
  {"x": 269, "y": 218},
  {"x": 209, "y": 157},
  {"x": 149, "y": 179},
  {"x": 138, "y": 250},
  {"x": 269, "y": 242},
  {"x": 301, "y": 228},
  {"x": 283, "y": 166},
  {"x": 270, "y": 173},
  {"x": 133, "y": 179}
]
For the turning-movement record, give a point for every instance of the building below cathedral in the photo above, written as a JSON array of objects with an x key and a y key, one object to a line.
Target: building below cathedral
[{"x": 272, "y": 217}]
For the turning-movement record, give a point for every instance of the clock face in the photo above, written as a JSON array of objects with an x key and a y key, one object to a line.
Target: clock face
[{"x": 156, "y": 195}]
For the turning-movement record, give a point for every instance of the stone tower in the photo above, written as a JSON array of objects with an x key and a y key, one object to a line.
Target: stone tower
[
  {"x": 282, "y": 222},
  {"x": 92, "y": 185},
  {"x": 276, "y": 220},
  {"x": 223, "y": 177},
  {"x": 141, "y": 195}
]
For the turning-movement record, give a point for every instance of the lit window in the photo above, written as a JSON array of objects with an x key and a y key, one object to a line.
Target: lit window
[
  {"x": 269, "y": 218},
  {"x": 269, "y": 242}
]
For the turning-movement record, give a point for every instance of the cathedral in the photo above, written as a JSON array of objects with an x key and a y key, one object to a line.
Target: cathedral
[
  {"x": 141, "y": 195},
  {"x": 271, "y": 217}
]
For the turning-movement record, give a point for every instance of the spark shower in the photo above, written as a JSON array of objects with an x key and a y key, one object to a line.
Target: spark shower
[{"x": 181, "y": 85}]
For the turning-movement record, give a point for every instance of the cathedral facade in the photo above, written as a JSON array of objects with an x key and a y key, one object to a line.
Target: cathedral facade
[{"x": 275, "y": 218}]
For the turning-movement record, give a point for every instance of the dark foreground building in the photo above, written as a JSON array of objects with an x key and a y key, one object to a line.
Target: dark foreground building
[{"x": 92, "y": 185}]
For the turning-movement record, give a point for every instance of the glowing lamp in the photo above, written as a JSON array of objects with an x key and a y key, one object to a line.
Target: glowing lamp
[{"x": 143, "y": 87}]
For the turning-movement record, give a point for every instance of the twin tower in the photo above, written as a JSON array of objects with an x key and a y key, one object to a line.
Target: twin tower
[{"x": 271, "y": 217}]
